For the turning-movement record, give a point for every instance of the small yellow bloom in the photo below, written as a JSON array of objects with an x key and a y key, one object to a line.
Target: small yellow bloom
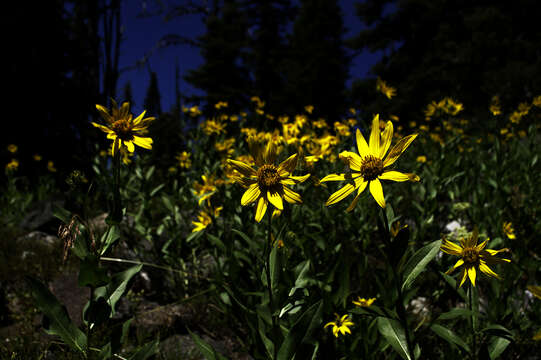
[
  {"x": 205, "y": 190},
  {"x": 383, "y": 88},
  {"x": 341, "y": 325},
  {"x": 50, "y": 166},
  {"x": 12, "y": 148},
  {"x": 368, "y": 167},
  {"x": 220, "y": 104},
  {"x": 13, "y": 165},
  {"x": 204, "y": 219},
  {"x": 212, "y": 126},
  {"x": 268, "y": 183},
  {"x": 309, "y": 108},
  {"x": 537, "y": 101},
  {"x": 508, "y": 230},
  {"x": 123, "y": 129},
  {"x": 184, "y": 160},
  {"x": 37, "y": 157},
  {"x": 474, "y": 257},
  {"x": 362, "y": 302},
  {"x": 421, "y": 159},
  {"x": 495, "y": 107}
]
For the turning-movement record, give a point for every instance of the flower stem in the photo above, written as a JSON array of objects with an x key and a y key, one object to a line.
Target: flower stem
[
  {"x": 400, "y": 309},
  {"x": 268, "y": 249},
  {"x": 117, "y": 207},
  {"x": 473, "y": 321}
]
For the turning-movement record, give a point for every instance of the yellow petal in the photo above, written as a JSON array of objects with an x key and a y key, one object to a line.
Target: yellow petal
[
  {"x": 102, "y": 128},
  {"x": 354, "y": 160},
  {"x": 340, "y": 194},
  {"x": 270, "y": 152},
  {"x": 299, "y": 179},
  {"x": 464, "y": 275},
  {"x": 291, "y": 196},
  {"x": 471, "y": 274},
  {"x": 288, "y": 164},
  {"x": 261, "y": 209},
  {"x": 377, "y": 192},
  {"x": 241, "y": 167},
  {"x": 275, "y": 199},
  {"x": 333, "y": 177},
  {"x": 138, "y": 119},
  {"x": 361, "y": 185},
  {"x": 398, "y": 149},
  {"x": 484, "y": 268},
  {"x": 116, "y": 146},
  {"x": 398, "y": 176},
  {"x": 386, "y": 138},
  {"x": 129, "y": 145},
  {"x": 450, "y": 248},
  {"x": 362, "y": 146},
  {"x": 457, "y": 264},
  {"x": 375, "y": 137},
  {"x": 250, "y": 195},
  {"x": 144, "y": 142}
]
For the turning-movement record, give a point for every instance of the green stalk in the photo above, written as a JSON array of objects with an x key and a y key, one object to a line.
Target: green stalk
[
  {"x": 401, "y": 310},
  {"x": 268, "y": 248},
  {"x": 117, "y": 206},
  {"x": 473, "y": 321}
]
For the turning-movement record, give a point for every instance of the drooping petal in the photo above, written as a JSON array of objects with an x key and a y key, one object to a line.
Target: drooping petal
[
  {"x": 261, "y": 208},
  {"x": 275, "y": 199},
  {"x": 144, "y": 142},
  {"x": 241, "y": 167},
  {"x": 484, "y": 268},
  {"x": 457, "y": 264},
  {"x": 270, "y": 153},
  {"x": 340, "y": 194},
  {"x": 377, "y": 192},
  {"x": 361, "y": 185},
  {"x": 362, "y": 146},
  {"x": 291, "y": 196},
  {"x": 130, "y": 146},
  {"x": 398, "y": 149},
  {"x": 375, "y": 137},
  {"x": 116, "y": 146},
  {"x": 354, "y": 160},
  {"x": 472, "y": 274},
  {"x": 299, "y": 179},
  {"x": 386, "y": 138},
  {"x": 463, "y": 275},
  {"x": 288, "y": 164},
  {"x": 482, "y": 245},
  {"x": 102, "y": 128},
  {"x": 250, "y": 195},
  {"x": 398, "y": 176},
  {"x": 104, "y": 113}
]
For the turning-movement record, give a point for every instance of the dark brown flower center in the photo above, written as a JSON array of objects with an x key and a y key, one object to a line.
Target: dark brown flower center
[
  {"x": 122, "y": 129},
  {"x": 268, "y": 178},
  {"x": 371, "y": 167},
  {"x": 470, "y": 255}
]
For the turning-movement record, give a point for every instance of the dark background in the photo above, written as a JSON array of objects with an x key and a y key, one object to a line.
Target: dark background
[{"x": 63, "y": 57}]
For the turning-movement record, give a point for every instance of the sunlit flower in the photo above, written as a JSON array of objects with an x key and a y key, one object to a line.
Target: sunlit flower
[
  {"x": 205, "y": 190},
  {"x": 268, "y": 184},
  {"x": 369, "y": 166},
  {"x": 184, "y": 160},
  {"x": 474, "y": 257},
  {"x": 13, "y": 165},
  {"x": 362, "y": 302},
  {"x": 123, "y": 129},
  {"x": 341, "y": 325},
  {"x": 383, "y": 88},
  {"x": 205, "y": 219},
  {"x": 12, "y": 148},
  {"x": 508, "y": 230}
]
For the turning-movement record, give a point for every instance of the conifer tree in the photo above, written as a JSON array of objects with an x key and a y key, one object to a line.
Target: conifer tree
[{"x": 153, "y": 98}]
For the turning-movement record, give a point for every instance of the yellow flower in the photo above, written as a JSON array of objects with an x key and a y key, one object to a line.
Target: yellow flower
[
  {"x": 268, "y": 183},
  {"x": 537, "y": 101},
  {"x": 309, "y": 108},
  {"x": 206, "y": 190},
  {"x": 342, "y": 129},
  {"x": 508, "y": 230},
  {"x": 184, "y": 160},
  {"x": 212, "y": 126},
  {"x": 225, "y": 147},
  {"x": 220, "y": 104},
  {"x": 37, "y": 157},
  {"x": 383, "y": 88},
  {"x": 123, "y": 129},
  {"x": 13, "y": 165},
  {"x": 421, "y": 159},
  {"x": 205, "y": 219},
  {"x": 12, "y": 148},
  {"x": 50, "y": 166},
  {"x": 340, "y": 325},
  {"x": 362, "y": 302},
  {"x": 495, "y": 107},
  {"x": 369, "y": 166},
  {"x": 474, "y": 257}
]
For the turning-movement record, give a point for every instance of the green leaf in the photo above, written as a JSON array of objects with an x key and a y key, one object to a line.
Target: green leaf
[
  {"x": 301, "y": 332},
  {"x": 454, "y": 313},
  {"x": 59, "y": 322},
  {"x": 302, "y": 279},
  {"x": 449, "y": 336},
  {"x": 452, "y": 282},
  {"x": 96, "y": 311},
  {"x": 156, "y": 189},
  {"x": 208, "y": 352},
  {"x": 109, "y": 238},
  {"x": 262, "y": 330},
  {"x": 91, "y": 274},
  {"x": 498, "y": 330},
  {"x": 395, "y": 336},
  {"x": 116, "y": 288},
  {"x": 274, "y": 264},
  {"x": 61, "y": 213},
  {"x": 146, "y": 351},
  {"x": 418, "y": 262},
  {"x": 497, "y": 346},
  {"x": 214, "y": 240}
]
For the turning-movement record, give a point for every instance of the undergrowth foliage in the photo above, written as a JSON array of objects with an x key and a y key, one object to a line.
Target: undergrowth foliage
[{"x": 247, "y": 218}]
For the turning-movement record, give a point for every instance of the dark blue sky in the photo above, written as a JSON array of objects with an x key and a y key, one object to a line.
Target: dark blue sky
[{"x": 142, "y": 34}]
